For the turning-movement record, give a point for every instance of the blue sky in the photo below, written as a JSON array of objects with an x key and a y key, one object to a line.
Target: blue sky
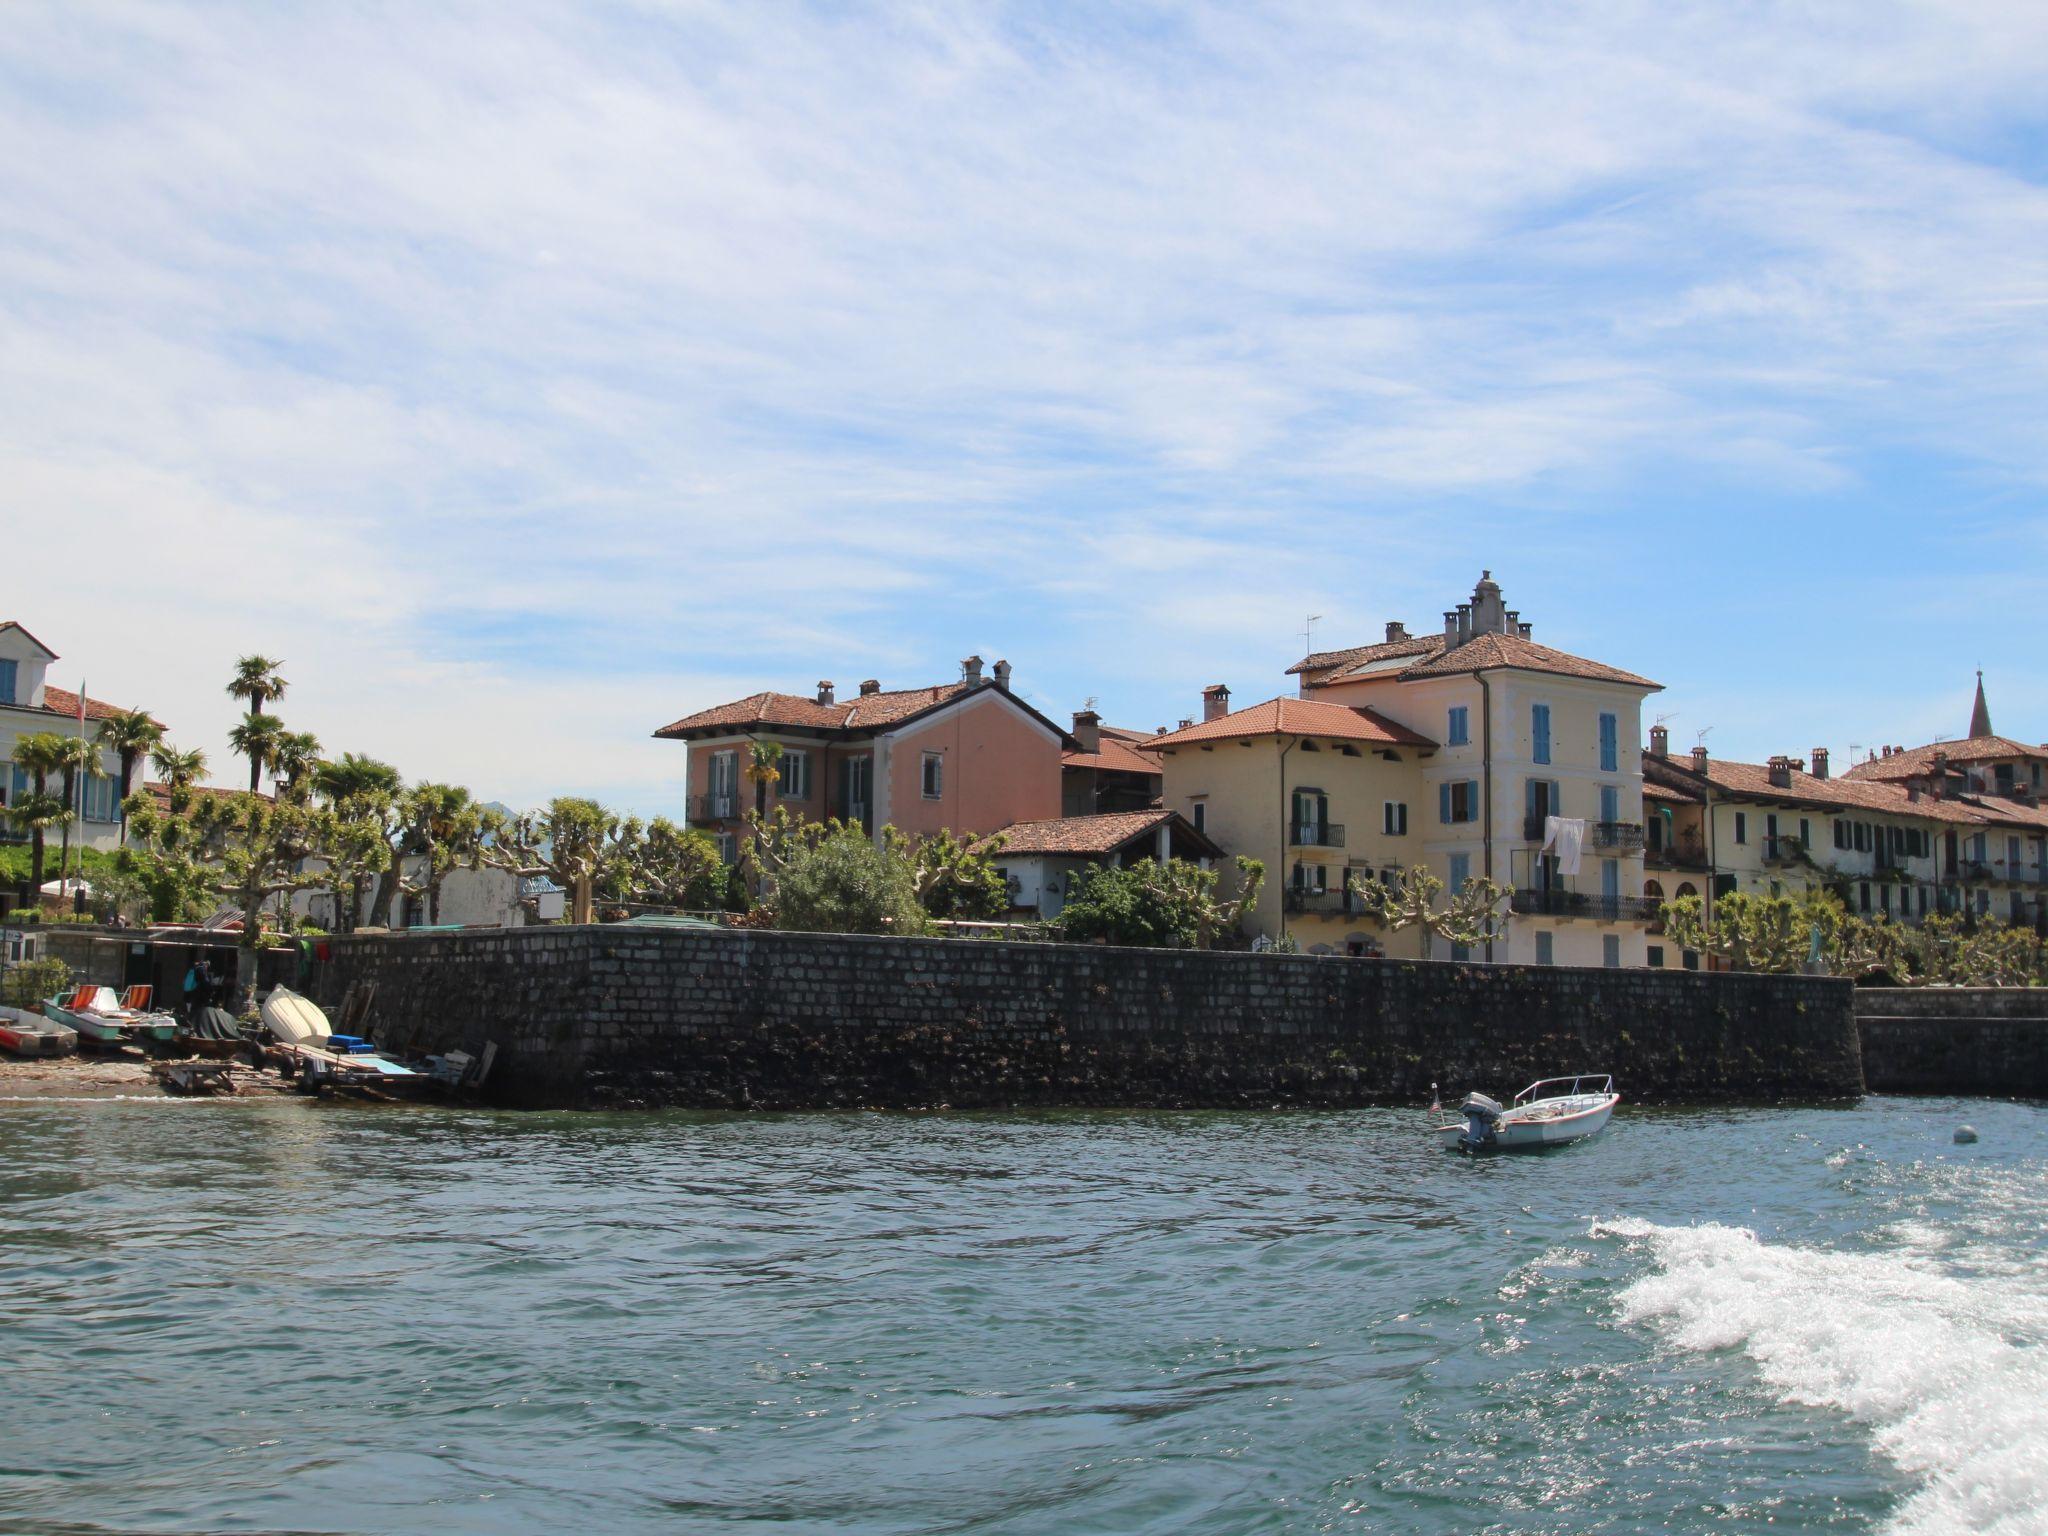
[{"x": 529, "y": 375}]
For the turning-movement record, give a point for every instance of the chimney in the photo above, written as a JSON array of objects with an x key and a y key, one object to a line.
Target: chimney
[
  {"x": 1464, "y": 622},
  {"x": 970, "y": 669},
  {"x": 1003, "y": 676},
  {"x": 1699, "y": 759},
  {"x": 824, "y": 690},
  {"x": 1396, "y": 630},
  {"x": 1185, "y": 722},
  {"x": 1660, "y": 741},
  {"x": 1088, "y": 730},
  {"x": 1215, "y": 702},
  {"x": 1781, "y": 772},
  {"x": 1527, "y": 630},
  {"x": 1820, "y": 762},
  {"x": 1450, "y": 626},
  {"x": 869, "y": 685}
]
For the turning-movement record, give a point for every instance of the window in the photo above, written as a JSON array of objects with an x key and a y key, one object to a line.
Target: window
[
  {"x": 1805, "y": 833},
  {"x": 1610, "y": 743},
  {"x": 853, "y": 788},
  {"x": 1610, "y": 951},
  {"x": 1690, "y": 959},
  {"x": 1461, "y": 871},
  {"x": 728, "y": 848},
  {"x": 1842, "y": 835},
  {"x": 1460, "y": 731},
  {"x": 1610, "y": 879},
  {"x": 1201, "y": 815},
  {"x": 1610, "y": 803},
  {"x": 1546, "y": 947},
  {"x": 934, "y": 775},
  {"x": 725, "y": 778},
  {"x": 1863, "y": 896},
  {"x": 1742, "y": 826},
  {"x": 1656, "y": 956},
  {"x": 796, "y": 776},
  {"x": 9, "y": 670},
  {"x": 1539, "y": 732},
  {"x": 1396, "y": 823},
  {"x": 1458, "y": 801}
]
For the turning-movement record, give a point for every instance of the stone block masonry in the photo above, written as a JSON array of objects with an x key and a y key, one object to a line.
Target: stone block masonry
[
  {"x": 621, "y": 1017},
  {"x": 1967, "y": 1040}
]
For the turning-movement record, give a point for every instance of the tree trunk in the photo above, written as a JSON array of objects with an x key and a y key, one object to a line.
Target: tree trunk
[
  {"x": 255, "y": 773},
  {"x": 583, "y": 899},
  {"x": 35, "y": 862},
  {"x": 380, "y": 905},
  {"x": 64, "y": 858},
  {"x": 127, "y": 778}
]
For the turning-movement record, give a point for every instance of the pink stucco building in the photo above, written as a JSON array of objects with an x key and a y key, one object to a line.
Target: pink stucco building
[{"x": 967, "y": 756}]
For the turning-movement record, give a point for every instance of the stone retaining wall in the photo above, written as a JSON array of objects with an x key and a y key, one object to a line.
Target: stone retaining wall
[
  {"x": 1968, "y": 1040},
  {"x": 621, "y": 1016}
]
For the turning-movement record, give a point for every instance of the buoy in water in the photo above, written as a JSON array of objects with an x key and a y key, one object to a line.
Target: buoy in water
[{"x": 1965, "y": 1134}]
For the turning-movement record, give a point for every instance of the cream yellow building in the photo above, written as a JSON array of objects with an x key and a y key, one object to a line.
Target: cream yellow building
[{"x": 1481, "y": 735}]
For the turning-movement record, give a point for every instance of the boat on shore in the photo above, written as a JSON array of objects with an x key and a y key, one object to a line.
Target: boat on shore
[
  {"x": 307, "y": 1047},
  {"x": 102, "y": 1019},
  {"x": 1549, "y": 1113},
  {"x": 31, "y": 1034}
]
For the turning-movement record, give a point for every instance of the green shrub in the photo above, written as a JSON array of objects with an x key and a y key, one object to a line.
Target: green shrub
[{"x": 30, "y": 981}]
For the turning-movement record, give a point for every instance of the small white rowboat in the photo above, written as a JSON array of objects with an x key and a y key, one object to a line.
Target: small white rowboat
[
  {"x": 30, "y": 1034},
  {"x": 1546, "y": 1114}
]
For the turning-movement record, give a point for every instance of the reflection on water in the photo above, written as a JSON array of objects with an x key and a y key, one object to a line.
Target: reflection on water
[{"x": 289, "y": 1316}]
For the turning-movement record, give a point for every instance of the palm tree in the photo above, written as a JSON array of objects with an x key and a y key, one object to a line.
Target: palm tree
[
  {"x": 296, "y": 757},
  {"x": 80, "y": 756},
  {"x": 354, "y": 777},
  {"x": 257, "y": 738},
  {"x": 181, "y": 770},
  {"x": 39, "y": 755},
  {"x": 130, "y": 733},
  {"x": 258, "y": 680},
  {"x": 764, "y": 767}
]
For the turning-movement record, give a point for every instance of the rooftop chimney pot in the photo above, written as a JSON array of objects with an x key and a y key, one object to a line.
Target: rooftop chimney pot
[
  {"x": 970, "y": 669},
  {"x": 1088, "y": 730},
  {"x": 1215, "y": 701},
  {"x": 1820, "y": 762},
  {"x": 1396, "y": 630},
  {"x": 1003, "y": 676},
  {"x": 1660, "y": 741},
  {"x": 824, "y": 690},
  {"x": 869, "y": 685},
  {"x": 1699, "y": 758}
]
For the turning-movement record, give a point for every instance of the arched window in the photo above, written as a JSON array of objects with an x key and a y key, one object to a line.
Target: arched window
[
  {"x": 1653, "y": 890},
  {"x": 1687, "y": 889}
]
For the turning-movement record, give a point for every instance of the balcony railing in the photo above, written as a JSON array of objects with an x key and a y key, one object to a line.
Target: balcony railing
[
  {"x": 1971, "y": 869},
  {"x": 1616, "y": 836},
  {"x": 1785, "y": 850},
  {"x": 1600, "y": 909},
  {"x": 1312, "y": 903},
  {"x": 705, "y": 808},
  {"x": 1680, "y": 853},
  {"x": 1316, "y": 834}
]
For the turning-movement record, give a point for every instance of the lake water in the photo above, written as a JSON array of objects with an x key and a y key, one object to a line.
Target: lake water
[{"x": 303, "y": 1317}]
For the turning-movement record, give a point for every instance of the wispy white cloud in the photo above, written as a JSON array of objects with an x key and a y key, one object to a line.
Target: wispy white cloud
[{"x": 557, "y": 370}]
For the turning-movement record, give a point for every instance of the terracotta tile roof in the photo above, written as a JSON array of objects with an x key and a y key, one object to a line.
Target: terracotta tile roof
[
  {"x": 1494, "y": 650},
  {"x": 1919, "y": 760},
  {"x": 1116, "y": 756},
  {"x": 1667, "y": 792},
  {"x": 62, "y": 701},
  {"x": 1414, "y": 645},
  {"x": 162, "y": 792},
  {"x": 1095, "y": 836},
  {"x": 863, "y": 712},
  {"x": 1299, "y": 717},
  {"x": 1752, "y": 781}
]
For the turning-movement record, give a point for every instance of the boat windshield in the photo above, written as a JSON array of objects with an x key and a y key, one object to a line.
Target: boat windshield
[{"x": 1566, "y": 1088}]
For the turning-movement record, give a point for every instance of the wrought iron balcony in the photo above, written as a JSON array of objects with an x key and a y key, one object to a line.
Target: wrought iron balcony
[
  {"x": 1600, "y": 909},
  {"x": 1316, "y": 834},
  {"x": 1785, "y": 850},
  {"x": 1685, "y": 852},
  {"x": 1311, "y": 903},
  {"x": 705, "y": 808},
  {"x": 1970, "y": 869},
  {"x": 1616, "y": 836}
]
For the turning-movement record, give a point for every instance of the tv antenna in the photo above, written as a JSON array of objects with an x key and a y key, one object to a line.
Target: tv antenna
[
  {"x": 1700, "y": 739},
  {"x": 1667, "y": 719},
  {"x": 1089, "y": 702},
  {"x": 1308, "y": 633}
]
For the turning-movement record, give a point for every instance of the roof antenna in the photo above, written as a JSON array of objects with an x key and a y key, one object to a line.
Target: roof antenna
[
  {"x": 1089, "y": 702},
  {"x": 1308, "y": 634},
  {"x": 1700, "y": 740},
  {"x": 1666, "y": 719}
]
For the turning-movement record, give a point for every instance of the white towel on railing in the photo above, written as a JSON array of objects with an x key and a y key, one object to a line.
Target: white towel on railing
[{"x": 1565, "y": 836}]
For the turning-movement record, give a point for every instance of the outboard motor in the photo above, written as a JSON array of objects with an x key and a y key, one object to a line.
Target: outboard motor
[{"x": 1481, "y": 1114}]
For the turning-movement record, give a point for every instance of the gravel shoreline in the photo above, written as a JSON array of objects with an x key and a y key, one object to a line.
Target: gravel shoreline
[{"x": 88, "y": 1076}]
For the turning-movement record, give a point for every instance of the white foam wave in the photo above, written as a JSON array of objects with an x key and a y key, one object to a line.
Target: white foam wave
[{"x": 1951, "y": 1373}]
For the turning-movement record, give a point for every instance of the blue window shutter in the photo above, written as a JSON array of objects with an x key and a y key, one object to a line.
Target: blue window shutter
[
  {"x": 1444, "y": 801},
  {"x": 1610, "y": 743},
  {"x": 1472, "y": 799},
  {"x": 1539, "y": 732}
]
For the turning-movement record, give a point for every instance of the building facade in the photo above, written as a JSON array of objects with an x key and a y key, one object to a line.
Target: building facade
[
  {"x": 30, "y": 704},
  {"x": 965, "y": 757}
]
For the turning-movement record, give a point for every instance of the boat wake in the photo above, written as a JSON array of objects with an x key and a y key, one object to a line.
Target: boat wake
[{"x": 1950, "y": 1372}]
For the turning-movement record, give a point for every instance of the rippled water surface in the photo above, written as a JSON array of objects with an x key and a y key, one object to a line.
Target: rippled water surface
[{"x": 290, "y": 1316}]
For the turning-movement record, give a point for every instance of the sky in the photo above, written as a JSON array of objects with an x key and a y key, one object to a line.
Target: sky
[{"x": 526, "y": 376}]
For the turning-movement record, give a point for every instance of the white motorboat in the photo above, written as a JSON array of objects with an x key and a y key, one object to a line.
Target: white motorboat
[{"x": 1544, "y": 1114}]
